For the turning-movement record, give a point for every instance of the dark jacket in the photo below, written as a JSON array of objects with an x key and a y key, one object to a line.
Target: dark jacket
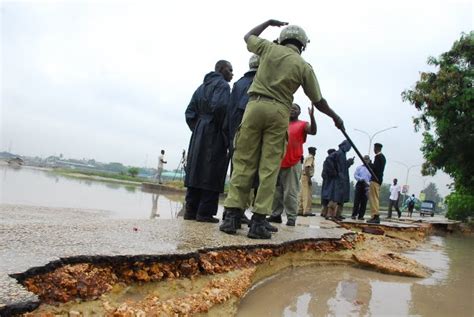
[
  {"x": 378, "y": 167},
  {"x": 337, "y": 185},
  {"x": 328, "y": 174},
  {"x": 238, "y": 103},
  {"x": 207, "y": 160}
]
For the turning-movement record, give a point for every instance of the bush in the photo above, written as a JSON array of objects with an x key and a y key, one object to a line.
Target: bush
[
  {"x": 460, "y": 206},
  {"x": 133, "y": 171}
]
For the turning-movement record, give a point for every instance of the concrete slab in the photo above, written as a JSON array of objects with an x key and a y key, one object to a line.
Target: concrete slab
[
  {"x": 34, "y": 236},
  {"x": 390, "y": 224}
]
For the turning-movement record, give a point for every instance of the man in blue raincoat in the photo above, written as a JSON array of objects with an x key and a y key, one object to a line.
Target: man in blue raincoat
[
  {"x": 338, "y": 187},
  {"x": 207, "y": 154}
]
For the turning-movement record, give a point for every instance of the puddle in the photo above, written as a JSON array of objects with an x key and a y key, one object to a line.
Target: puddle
[{"x": 349, "y": 291}]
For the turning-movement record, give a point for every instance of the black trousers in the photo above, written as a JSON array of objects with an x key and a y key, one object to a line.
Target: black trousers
[
  {"x": 360, "y": 200},
  {"x": 393, "y": 203},
  {"x": 201, "y": 202}
]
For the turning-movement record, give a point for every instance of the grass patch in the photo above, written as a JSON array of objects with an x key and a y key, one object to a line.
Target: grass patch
[{"x": 102, "y": 174}]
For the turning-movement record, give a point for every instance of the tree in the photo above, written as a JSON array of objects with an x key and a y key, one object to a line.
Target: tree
[
  {"x": 431, "y": 193},
  {"x": 384, "y": 194},
  {"x": 445, "y": 100},
  {"x": 133, "y": 171}
]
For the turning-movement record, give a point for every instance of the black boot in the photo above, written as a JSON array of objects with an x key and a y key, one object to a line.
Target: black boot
[
  {"x": 189, "y": 214},
  {"x": 268, "y": 226},
  {"x": 375, "y": 219},
  {"x": 275, "y": 219},
  {"x": 257, "y": 228},
  {"x": 244, "y": 219},
  {"x": 232, "y": 220}
]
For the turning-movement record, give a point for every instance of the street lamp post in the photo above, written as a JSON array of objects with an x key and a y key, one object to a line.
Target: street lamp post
[{"x": 371, "y": 137}]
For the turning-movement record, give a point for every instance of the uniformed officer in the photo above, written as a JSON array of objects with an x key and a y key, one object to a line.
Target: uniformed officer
[
  {"x": 260, "y": 142},
  {"x": 306, "y": 194},
  {"x": 238, "y": 102}
]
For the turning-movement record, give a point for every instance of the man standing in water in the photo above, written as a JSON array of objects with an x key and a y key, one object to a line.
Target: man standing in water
[
  {"x": 161, "y": 162},
  {"x": 207, "y": 155},
  {"x": 260, "y": 142}
]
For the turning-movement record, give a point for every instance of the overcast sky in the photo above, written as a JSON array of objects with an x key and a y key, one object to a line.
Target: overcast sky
[{"x": 110, "y": 80}]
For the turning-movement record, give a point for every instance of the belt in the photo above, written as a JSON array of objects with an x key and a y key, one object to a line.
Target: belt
[{"x": 260, "y": 97}]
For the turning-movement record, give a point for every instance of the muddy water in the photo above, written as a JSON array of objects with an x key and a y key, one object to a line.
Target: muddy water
[
  {"x": 34, "y": 187},
  {"x": 348, "y": 291}
]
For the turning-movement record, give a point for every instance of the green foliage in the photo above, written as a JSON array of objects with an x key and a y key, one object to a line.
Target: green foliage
[
  {"x": 445, "y": 99},
  {"x": 93, "y": 174},
  {"x": 431, "y": 193},
  {"x": 115, "y": 167},
  {"x": 384, "y": 194},
  {"x": 133, "y": 171},
  {"x": 460, "y": 206}
]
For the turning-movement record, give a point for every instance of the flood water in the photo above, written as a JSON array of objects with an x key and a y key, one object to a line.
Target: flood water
[
  {"x": 349, "y": 291},
  {"x": 37, "y": 187}
]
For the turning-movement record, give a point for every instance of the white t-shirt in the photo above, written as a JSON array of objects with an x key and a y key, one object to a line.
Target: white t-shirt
[
  {"x": 161, "y": 158},
  {"x": 394, "y": 191}
]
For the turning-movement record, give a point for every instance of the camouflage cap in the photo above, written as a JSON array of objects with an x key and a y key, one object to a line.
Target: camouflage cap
[
  {"x": 294, "y": 32},
  {"x": 254, "y": 62}
]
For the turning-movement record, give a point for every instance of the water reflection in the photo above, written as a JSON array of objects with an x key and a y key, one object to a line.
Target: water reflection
[
  {"x": 37, "y": 187},
  {"x": 154, "y": 206},
  {"x": 348, "y": 291}
]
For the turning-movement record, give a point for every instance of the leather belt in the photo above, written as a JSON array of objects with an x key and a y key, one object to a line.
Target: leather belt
[{"x": 260, "y": 97}]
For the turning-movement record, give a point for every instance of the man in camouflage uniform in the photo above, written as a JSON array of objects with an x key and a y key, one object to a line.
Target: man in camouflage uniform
[{"x": 260, "y": 142}]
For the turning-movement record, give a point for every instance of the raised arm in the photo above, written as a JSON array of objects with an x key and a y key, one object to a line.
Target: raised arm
[
  {"x": 311, "y": 128},
  {"x": 261, "y": 27}
]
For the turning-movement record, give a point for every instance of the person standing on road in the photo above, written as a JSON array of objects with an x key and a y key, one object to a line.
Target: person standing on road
[
  {"x": 238, "y": 102},
  {"x": 207, "y": 160},
  {"x": 394, "y": 198},
  {"x": 306, "y": 194},
  {"x": 411, "y": 204},
  {"x": 362, "y": 176},
  {"x": 339, "y": 190},
  {"x": 288, "y": 183},
  {"x": 327, "y": 174},
  {"x": 378, "y": 168},
  {"x": 260, "y": 142}
]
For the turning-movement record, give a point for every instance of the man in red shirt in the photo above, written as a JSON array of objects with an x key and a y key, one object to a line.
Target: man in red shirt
[{"x": 288, "y": 183}]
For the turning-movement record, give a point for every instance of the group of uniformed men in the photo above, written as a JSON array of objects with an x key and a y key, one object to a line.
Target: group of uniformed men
[{"x": 252, "y": 124}]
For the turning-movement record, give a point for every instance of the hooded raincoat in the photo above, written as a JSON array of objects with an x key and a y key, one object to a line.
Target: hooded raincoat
[
  {"x": 207, "y": 160},
  {"x": 337, "y": 186}
]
